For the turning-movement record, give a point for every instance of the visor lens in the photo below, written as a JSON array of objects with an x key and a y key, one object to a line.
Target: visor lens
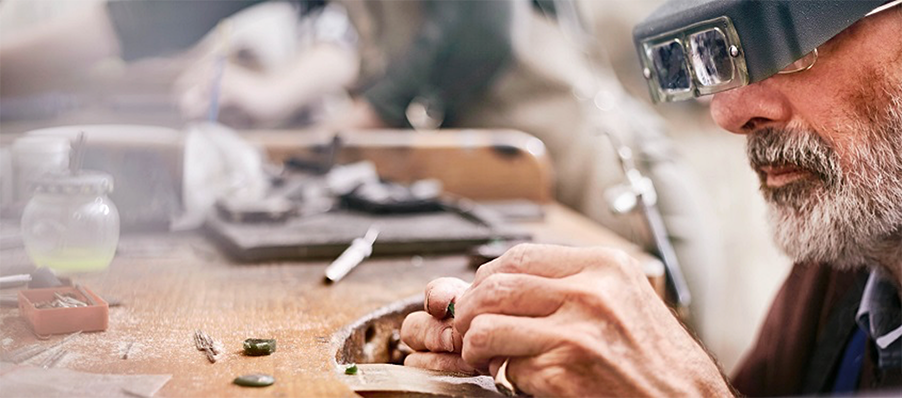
[
  {"x": 702, "y": 58},
  {"x": 670, "y": 66},
  {"x": 710, "y": 57}
]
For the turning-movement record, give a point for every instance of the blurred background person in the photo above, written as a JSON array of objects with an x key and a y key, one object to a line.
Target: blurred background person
[
  {"x": 272, "y": 64},
  {"x": 273, "y": 83}
]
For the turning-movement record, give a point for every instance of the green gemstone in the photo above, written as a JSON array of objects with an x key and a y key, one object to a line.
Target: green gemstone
[
  {"x": 257, "y": 347},
  {"x": 451, "y": 309},
  {"x": 351, "y": 369},
  {"x": 255, "y": 380}
]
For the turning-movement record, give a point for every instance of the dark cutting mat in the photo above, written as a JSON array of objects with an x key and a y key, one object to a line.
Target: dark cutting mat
[{"x": 325, "y": 236}]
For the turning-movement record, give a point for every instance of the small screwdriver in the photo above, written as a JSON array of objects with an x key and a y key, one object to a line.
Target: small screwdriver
[{"x": 360, "y": 249}]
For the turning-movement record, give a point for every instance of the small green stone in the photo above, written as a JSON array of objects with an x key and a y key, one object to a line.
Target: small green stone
[
  {"x": 451, "y": 309},
  {"x": 351, "y": 369},
  {"x": 255, "y": 380},
  {"x": 258, "y": 347}
]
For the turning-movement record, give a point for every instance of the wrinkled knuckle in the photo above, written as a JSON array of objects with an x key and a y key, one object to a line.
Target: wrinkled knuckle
[
  {"x": 598, "y": 257},
  {"x": 617, "y": 256},
  {"x": 619, "y": 260},
  {"x": 474, "y": 346},
  {"x": 627, "y": 262},
  {"x": 479, "y": 335},
  {"x": 623, "y": 258},
  {"x": 517, "y": 255},
  {"x": 586, "y": 298},
  {"x": 487, "y": 302},
  {"x": 495, "y": 287},
  {"x": 576, "y": 342}
]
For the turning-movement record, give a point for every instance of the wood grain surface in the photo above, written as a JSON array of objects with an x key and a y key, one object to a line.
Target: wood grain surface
[{"x": 172, "y": 284}]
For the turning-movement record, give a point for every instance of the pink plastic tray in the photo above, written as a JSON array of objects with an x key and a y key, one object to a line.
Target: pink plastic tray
[{"x": 63, "y": 320}]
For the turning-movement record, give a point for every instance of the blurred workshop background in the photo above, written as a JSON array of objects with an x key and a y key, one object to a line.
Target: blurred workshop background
[{"x": 731, "y": 298}]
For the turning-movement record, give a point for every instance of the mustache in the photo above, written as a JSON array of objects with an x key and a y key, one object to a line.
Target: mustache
[{"x": 797, "y": 148}]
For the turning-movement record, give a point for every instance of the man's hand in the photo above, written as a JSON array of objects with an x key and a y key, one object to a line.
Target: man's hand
[
  {"x": 431, "y": 333},
  {"x": 574, "y": 322}
]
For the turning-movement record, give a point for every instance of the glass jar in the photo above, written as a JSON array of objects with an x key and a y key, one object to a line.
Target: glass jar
[{"x": 70, "y": 225}]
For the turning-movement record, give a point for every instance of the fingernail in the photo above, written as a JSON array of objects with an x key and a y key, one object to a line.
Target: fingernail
[{"x": 447, "y": 340}]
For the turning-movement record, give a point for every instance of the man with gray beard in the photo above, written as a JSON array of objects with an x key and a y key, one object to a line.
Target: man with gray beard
[
  {"x": 823, "y": 116},
  {"x": 848, "y": 216},
  {"x": 838, "y": 217}
]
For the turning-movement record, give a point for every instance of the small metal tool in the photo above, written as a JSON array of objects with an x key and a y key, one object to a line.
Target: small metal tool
[
  {"x": 360, "y": 249},
  {"x": 128, "y": 350},
  {"x": 67, "y": 301},
  {"x": 52, "y": 360},
  {"x": 203, "y": 342},
  {"x": 86, "y": 295},
  {"x": 25, "y": 353},
  {"x": 14, "y": 280}
]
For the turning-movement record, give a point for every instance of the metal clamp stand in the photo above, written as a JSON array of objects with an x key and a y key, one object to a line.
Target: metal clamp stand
[{"x": 638, "y": 191}]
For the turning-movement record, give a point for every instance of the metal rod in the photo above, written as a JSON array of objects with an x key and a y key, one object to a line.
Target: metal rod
[
  {"x": 88, "y": 297},
  {"x": 25, "y": 353},
  {"x": 50, "y": 361},
  {"x": 676, "y": 283},
  {"x": 360, "y": 249},
  {"x": 128, "y": 349},
  {"x": 14, "y": 280},
  {"x": 584, "y": 41},
  {"x": 78, "y": 153}
]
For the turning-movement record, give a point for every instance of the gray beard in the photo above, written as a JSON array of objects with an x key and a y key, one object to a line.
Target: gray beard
[{"x": 844, "y": 217}]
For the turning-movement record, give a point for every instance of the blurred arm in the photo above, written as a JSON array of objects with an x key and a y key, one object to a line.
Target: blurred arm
[
  {"x": 270, "y": 98},
  {"x": 52, "y": 54}
]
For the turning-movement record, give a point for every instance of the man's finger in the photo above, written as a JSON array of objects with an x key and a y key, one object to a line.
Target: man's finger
[
  {"x": 442, "y": 361},
  {"x": 422, "y": 332},
  {"x": 504, "y": 336},
  {"x": 441, "y": 292},
  {"x": 550, "y": 261},
  {"x": 509, "y": 294},
  {"x": 522, "y": 372}
]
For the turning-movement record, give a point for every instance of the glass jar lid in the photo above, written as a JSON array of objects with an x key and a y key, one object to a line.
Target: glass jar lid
[{"x": 83, "y": 182}]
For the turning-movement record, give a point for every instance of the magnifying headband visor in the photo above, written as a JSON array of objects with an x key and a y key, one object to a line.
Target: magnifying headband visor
[{"x": 690, "y": 48}]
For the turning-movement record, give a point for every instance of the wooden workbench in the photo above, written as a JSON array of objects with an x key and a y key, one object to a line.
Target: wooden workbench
[{"x": 170, "y": 285}]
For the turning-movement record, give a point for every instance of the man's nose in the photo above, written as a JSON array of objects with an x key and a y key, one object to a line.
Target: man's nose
[{"x": 750, "y": 108}]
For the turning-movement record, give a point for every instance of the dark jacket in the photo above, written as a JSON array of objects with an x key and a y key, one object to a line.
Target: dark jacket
[{"x": 801, "y": 343}]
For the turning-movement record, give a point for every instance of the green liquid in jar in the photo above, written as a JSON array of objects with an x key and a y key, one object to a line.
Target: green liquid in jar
[{"x": 73, "y": 259}]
